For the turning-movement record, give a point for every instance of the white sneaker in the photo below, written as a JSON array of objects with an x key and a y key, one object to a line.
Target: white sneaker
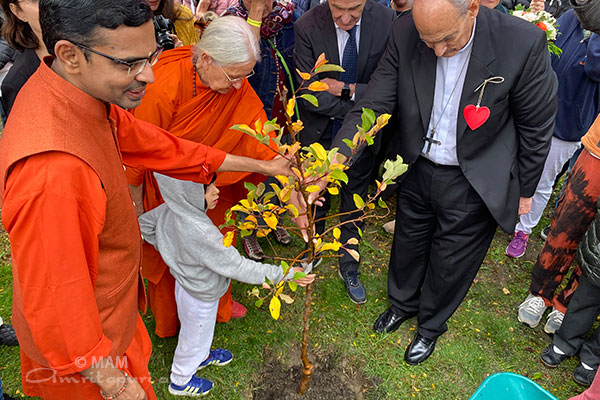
[
  {"x": 554, "y": 321},
  {"x": 532, "y": 310}
]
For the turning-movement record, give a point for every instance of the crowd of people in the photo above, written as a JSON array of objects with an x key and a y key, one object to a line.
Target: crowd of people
[{"x": 117, "y": 117}]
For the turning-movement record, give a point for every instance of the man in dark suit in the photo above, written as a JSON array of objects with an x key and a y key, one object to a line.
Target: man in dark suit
[
  {"x": 463, "y": 180},
  {"x": 351, "y": 33}
]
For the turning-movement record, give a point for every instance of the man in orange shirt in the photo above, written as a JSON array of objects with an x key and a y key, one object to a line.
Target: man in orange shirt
[{"x": 74, "y": 236}]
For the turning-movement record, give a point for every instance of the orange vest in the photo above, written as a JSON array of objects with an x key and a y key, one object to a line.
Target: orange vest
[{"x": 70, "y": 121}]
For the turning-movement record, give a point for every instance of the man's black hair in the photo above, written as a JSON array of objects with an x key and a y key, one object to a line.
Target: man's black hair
[{"x": 77, "y": 20}]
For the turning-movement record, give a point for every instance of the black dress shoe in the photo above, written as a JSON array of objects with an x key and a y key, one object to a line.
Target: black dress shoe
[
  {"x": 419, "y": 350},
  {"x": 389, "y": 321},
  {"x": 550, "y": 358},
  {"x": 583, "y": 376}
]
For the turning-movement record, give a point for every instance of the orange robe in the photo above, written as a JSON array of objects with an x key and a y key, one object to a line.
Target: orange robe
[
  {"x": 74, "y": 236},
  {"x": 204, "y": 118}
]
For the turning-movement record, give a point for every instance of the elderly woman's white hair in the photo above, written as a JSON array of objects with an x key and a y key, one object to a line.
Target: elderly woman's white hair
[{"x": 229, "y": 40}]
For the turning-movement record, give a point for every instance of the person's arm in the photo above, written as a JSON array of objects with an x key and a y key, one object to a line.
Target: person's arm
[
  {"x": 304, "y": 60},
  {"x": 380, "y": 96},
  {"x": 54, "y": 210},
  {"x": 146, "y": 146},
  {"x": 533, "y": 106},
  {"x": 591, "y": 63}
]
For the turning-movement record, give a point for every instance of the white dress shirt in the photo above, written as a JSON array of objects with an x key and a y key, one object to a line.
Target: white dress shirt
[
  {"x": 342, "y": 39},
  {"x": 450, "y": 76}
]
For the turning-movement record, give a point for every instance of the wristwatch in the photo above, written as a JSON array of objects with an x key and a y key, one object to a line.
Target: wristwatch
[{"x": 345, "y": 93}]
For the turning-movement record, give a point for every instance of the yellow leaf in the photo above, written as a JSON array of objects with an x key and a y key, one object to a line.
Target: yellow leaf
[
  {"x": 337, "y": 233},
  {"x": 321, "y": 60},
  {"x": 303, "y": 75},
  {"x": 246, "y": 128},
  {"x": 293, "y": 210},
  {"x": 281, "y": 286},
  {"x": 258, "y": 125},
  {"x": 335, "y": 246},
  {"x": 354, "y": 254},
  {"x": 358, "y": 201},
  {"x": 382, "y": 120},
  {"x": 334, "y": 191},
  {"x": 352, "y": 241},
  {"x": 228, "y": 238},
  {"x": 289, "y": 110},
  {"x": 270, "y": 219},
  {"x": 275, "y": 307},
  {"x": 284, "y": 180},
  {"x": 319, "y": 150},
  {"x": 263, "y": 232},
  {"x": 318, "y": 86},
  {"x": 286, "y": 298},
  {"x": 251, "y": 218},
  {"x": 313, "y": 188},
  {"x": 371, "y": 206},
  {"x": 506, "y": 291}
]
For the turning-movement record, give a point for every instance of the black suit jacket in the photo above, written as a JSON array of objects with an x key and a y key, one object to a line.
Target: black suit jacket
[
  {"x": 504, "y": 158},
  {"x": 315, "y": 34}
]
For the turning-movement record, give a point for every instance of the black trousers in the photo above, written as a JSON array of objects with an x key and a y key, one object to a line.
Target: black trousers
[
  {"x": 359, "y": 176},
  {"x": 583, "y": 309},
  {"x": 443, "y": 231}
]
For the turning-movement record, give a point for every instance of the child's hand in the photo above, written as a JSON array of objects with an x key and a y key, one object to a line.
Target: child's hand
[{"x": 306, "y": 280}]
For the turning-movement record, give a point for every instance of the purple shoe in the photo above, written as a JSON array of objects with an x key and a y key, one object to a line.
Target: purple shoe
[{"x": 518, "y": 245}]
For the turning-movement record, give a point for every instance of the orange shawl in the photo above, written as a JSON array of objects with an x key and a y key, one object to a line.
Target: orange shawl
[{"x": 205, "y": 118}]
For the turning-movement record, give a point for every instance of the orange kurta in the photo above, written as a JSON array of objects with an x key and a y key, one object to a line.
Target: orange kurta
[
  {"x": 74, "y": 236},
  {"x": 204, "y": 118}
]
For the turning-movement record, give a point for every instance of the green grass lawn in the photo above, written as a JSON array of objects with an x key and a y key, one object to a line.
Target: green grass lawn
[{"x": 484, "y": 337}]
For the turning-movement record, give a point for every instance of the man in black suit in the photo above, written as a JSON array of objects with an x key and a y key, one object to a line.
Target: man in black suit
[
  {"x": 351, "y": 33},
  {"x": 463, "y": 180}
]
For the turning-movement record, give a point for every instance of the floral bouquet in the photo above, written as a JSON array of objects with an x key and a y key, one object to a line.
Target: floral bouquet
[{"x": 543, "y": 20}]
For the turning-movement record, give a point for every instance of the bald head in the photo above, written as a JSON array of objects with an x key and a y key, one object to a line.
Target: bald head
[{"x": 445, "y": 25}]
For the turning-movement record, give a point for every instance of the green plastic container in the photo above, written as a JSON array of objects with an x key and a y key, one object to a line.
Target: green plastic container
[{"x": 509, "y": 386}]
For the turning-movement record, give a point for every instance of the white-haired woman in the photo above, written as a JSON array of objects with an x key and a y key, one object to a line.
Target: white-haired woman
[{"x": 198, "y": 94}]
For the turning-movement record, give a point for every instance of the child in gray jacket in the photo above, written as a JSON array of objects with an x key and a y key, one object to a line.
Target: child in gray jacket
[{"x": 192, "y": 246}]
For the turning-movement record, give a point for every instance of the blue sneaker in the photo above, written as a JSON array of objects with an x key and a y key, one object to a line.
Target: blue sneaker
[
  {"x": 218, "y": 357},
  {"x": 196, "y": 387},
  {"x": 354, "y": 287}
]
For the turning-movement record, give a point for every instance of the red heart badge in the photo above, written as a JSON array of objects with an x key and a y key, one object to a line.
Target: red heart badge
[{"x": 476, "y": 117}]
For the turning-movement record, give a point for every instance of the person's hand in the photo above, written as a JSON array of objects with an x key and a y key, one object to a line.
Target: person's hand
[
  {"x": 335, "y": 86},
  {"x": 178, "y": 43},
  {"x": 306, "y": 280},
  {"x": 133, "y": 391},
  {"x": 202, "y": 8},
  {"x": 524, "y": 205},
  {"x": 279, "y": 166},
  {"x": 537, "y": 5}
]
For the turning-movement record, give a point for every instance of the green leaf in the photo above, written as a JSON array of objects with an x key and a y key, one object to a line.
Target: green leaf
[
  {"x": 349, "y": 143},
  {"x": 393, "y": 169},
  {"x": 381, "y": 203},
  {"x": 311, "y": 99},
  {"x": 299, "y": 275},
  {"x": 358, "y": 201},
  {"x": 537, "y": 375},
  {"x": 339, "y": 175},
  {"x": 285, "y": 267},
  {"x": 249, "y": 186},
  {"x": 258, "y": 303},
  {"x": 368, "y": 116},
  {"x": 360, "y": 232},
  {"x": 329, "y": 68},
  {"x": 293, "y": 286}
]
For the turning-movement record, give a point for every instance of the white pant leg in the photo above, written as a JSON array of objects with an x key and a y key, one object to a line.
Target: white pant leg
[
  {"x": 198, "y": 319},
  {"x": 560, "y": 152}
]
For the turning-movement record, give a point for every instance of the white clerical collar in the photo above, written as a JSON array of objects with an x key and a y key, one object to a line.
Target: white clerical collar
[
  {"x": 338, "y": 28},
  {"x": 470, "y": 42}
]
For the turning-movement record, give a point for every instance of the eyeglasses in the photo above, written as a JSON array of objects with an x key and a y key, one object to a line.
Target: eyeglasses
[
  {"x": 135, "y": 66},
  {"x": 235, "y": 80}
]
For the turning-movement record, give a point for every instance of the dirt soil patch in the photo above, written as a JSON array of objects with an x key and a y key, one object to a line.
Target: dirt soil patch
[{"x": 333, "y": 379}]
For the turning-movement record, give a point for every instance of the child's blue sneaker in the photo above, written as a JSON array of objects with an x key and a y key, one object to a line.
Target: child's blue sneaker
[
  {"x": 218, "y": 357},
  {"x": 196, "y": 387}
]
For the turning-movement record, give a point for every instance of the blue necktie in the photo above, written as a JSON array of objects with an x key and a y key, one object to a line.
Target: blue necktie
[{"x": 350, "y": 65}]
